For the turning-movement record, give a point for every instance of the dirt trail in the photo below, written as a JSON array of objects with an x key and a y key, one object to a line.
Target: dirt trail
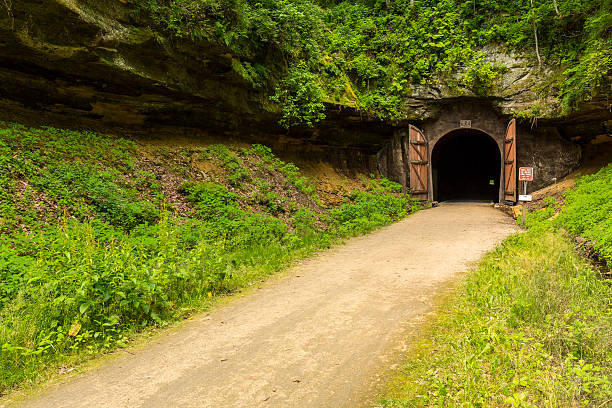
[{"x": 321, "y": 335}]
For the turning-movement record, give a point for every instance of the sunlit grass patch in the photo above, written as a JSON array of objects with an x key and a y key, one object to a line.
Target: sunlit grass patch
[{"x": 531, "y": 327}]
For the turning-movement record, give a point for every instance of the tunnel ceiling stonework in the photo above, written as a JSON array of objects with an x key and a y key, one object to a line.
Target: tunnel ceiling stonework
[{"x": 94, "y": 65}]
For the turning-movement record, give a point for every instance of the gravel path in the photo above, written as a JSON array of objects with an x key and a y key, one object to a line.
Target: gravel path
[{"x": 323, "y": 334}]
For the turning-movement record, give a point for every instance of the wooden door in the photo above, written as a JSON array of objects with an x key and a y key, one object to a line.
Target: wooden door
[
  {"x": 418, "y": 160},
  {"x": 510, "y": 162}
]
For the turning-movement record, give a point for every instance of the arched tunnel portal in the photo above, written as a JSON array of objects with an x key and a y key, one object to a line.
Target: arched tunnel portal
[
  {"x": 469, "y": 151},
  {"x": 466, "y": 165}
]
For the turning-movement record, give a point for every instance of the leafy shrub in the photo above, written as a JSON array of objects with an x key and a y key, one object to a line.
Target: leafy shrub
[
  {"x": 587, "y": 211},
  {"x": 13, "y": 269},
  {"x": 110, "y": 200},
  {"x": 365, "y": 211},
  {"x": 304, "y": 221},
  {"x": 481, "y": 76},
  {"x": 236, "y": 172},
  {"x": 264, "y": 152},
  {"x": 226, "y": 221},
  {"x": 273, "y": 202},
  {"x": 300, "y": 97},
  {"x": 289, "y": 170},
  {"x": 382, "y": 185},
  {"x": 77, "y": 280},
  {"x": 212, "y": 200}
]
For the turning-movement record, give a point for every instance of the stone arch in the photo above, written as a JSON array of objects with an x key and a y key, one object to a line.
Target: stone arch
[
  {"x": 466, "y": 163},
  {"x": 549, "y": 152}
]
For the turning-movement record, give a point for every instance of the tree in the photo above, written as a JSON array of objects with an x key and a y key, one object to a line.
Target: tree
[{"x": 535, "y": 35}]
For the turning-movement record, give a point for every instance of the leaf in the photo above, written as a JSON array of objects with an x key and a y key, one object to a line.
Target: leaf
[
  {"x": 34, "y": 279},
  {"x": 74, "y": 329},
  {"x": 83, "y": 308}
]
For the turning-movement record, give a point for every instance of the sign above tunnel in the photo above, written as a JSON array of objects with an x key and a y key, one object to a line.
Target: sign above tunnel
[{"x": 525, "y": 173}]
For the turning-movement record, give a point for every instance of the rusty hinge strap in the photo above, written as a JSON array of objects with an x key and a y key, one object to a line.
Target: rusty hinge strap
[
  {"x": 418, "y": 142},
  {"x": 419, "y": 162}
]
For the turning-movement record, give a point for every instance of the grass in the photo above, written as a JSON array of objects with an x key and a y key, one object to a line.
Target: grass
[
  {"x": 99, "y": 242},
  {"x": 530, "y": 327}
]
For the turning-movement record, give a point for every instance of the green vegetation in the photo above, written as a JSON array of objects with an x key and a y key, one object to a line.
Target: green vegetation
[
  {"x": 371, "y": 54},
  {"x": 587, "y": 211},
  {"x": 532, "y": 326},
  {"x": 102, "y": 237}
]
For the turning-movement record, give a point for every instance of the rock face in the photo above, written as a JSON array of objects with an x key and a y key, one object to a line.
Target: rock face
[
  {"x": 95, "y": 64},
  {"x": 90, "y": 60}
]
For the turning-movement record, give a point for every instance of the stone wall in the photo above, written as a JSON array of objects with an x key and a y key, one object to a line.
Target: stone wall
[
  {"x": 542, "y": 147},
  {"x": 551, "y": 156},
  {"x": 392, "y": 159}
]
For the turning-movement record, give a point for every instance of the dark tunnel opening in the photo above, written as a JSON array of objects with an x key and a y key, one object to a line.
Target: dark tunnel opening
[{"x": 466, "y": 165}]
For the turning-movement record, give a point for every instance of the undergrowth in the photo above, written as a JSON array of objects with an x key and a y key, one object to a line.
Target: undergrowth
[
  {"x": 588, "y": 211},
  {"x": 585, "y": 211},
  {"x": 99, "y": 242},
  {"x": 532, "y": 326}
]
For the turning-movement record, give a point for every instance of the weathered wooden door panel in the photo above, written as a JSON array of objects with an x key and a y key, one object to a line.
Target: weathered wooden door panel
[
  {"x": 510, "y": 190},
  {"x": 418, "y": 153}
]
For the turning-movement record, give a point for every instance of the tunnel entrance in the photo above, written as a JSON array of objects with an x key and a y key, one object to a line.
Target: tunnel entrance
[{"x": 466, "y": 165}]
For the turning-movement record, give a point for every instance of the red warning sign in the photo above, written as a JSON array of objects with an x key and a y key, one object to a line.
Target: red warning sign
[{"x": 525, "y": 173}]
